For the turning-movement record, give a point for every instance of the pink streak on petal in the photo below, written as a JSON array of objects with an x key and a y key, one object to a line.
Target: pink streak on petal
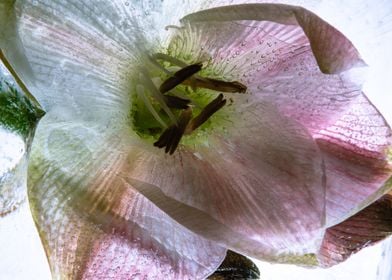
[
  {"x": 355, "y": 150},
  {"x": 366, "y": 228},
  {"x": 302, "y": 92}
]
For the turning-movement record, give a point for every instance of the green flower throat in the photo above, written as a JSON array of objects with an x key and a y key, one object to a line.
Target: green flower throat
[{"x": 174, "y": 100}]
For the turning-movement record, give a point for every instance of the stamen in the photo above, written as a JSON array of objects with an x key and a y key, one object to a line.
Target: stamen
[
  {"x": 157, "y": 66},
  {"x": 167, "y": 27},
  {"x": 215, "y": 84},
  {"x": 201, "y": 82},
  {"x": 170, "y": 97},
  {"x": 180, "y": 76},
  {"x": 140, "y": 92},
  {"x": 164, "y": 139},
  {"x": 156, "y": 94},
  {"x": 176, "y": 102},
  {"x": 206, "y": 113},
  {"x": 171, "y": 137},
  {"x": 169, "y": 59},
  {"x": 185, "y": 117}
]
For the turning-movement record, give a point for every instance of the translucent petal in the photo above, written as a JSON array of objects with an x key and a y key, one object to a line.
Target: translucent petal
[
  {"x": 81, "y": 54},
  {"x": 365, "y": 228},
  {"x": 275, "y": 61},
  {"x": 263, "y": 187},
  {"x": 174, "y": 10},
  {"x": 93, "y": 224},
  {"x": 356, "y": 151},
  {"x": 366, "y": 23},
  {"x": 12, "y": 171},
  {"x": 333, "y": 52},
  {"x": 277, "y": 64},
  {"x": 10, "y": 42},
  {"x": 18, "y": 119}
]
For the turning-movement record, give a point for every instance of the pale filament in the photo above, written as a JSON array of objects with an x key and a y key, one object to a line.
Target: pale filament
[{"x": 141, "y": 93}]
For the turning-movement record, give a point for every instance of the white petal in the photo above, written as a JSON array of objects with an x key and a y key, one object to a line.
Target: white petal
[
  {"x": 95, "y": 225},
  {"x": 82, "y": 54}
]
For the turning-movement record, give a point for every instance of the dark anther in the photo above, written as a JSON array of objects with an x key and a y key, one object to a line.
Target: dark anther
[
  {"x": 176, "y": 102},
  {"x": 180, "y": 76},
  {"x": 165, "y": 137},
  {"x": 207, "y": 112},
  {"x": 185, "y": 117},
  {"x": 171, "y": 137},
  {"x": 216, "y": 85}
]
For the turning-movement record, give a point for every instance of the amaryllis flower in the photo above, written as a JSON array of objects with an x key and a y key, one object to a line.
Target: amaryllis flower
[{"x": 174, "y": 132}]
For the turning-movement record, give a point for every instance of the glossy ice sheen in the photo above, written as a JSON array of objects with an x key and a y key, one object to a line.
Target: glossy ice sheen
[{"x": 12, "y": 171}]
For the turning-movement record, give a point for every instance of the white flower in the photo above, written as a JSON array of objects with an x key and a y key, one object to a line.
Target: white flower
[{"x": 267, "y": 173}]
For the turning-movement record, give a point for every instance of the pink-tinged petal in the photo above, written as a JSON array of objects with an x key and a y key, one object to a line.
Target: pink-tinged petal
[
  {"x": 365, "y": 228},
  {"x": 333, "y": 51},
  {"x": 93, "y": 224},
  {"x": 262, "y": 187},
  {"x": 355, "y": 150},
  {"x": 301, "y": 91},
  {"x": 275, "y": 61}
]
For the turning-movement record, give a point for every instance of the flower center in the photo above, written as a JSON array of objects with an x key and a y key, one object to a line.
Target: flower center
[{"x": 173, "y": 99}]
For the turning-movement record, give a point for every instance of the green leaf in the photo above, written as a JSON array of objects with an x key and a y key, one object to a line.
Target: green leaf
[{"x": 17, "y": 113}]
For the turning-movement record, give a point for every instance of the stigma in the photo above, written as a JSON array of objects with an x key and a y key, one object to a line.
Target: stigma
[{"x": 166, "y": 96}]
